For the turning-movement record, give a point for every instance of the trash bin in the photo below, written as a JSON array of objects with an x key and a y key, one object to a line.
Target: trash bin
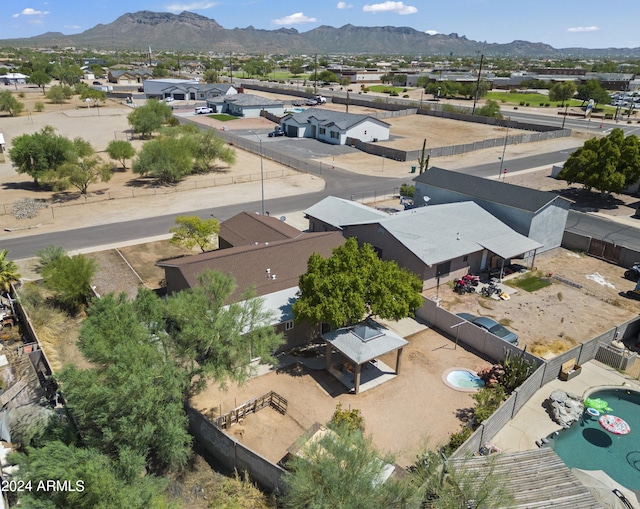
[{"x": 413, "y": 169}]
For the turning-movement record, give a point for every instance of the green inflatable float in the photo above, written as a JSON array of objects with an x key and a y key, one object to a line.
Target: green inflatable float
[{"x": 598, "y": 404}]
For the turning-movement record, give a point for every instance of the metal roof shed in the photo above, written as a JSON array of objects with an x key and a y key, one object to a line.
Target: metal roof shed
[{"x": 361, "y": 344}]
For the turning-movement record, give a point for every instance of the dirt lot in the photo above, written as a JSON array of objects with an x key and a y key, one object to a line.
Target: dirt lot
[{"x": 400, "y": 414}]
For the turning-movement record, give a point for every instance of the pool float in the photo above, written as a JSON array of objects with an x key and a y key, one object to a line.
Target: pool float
[
  {"x": 599, "y": 404},
  {"x": 593, "y": 412},
  {"x": 614, "y": 424}
]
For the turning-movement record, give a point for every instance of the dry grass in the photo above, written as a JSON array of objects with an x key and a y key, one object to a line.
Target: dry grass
[{"x": 556, "y": 346}]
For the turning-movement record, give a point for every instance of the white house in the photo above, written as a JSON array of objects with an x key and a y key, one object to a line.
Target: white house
[
  {"x": 14, "y": 78},
  {"x": 179, "y": 89},
  {"x": 333, "y": 126},
  {"x": 245, "y": 105}
]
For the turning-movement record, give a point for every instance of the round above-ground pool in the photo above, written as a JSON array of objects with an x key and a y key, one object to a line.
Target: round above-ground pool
[
  {"x": 594, "y": 443},
  {"x": 462, "y": 379}
]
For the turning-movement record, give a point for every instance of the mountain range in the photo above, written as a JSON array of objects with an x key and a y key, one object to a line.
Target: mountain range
[{"x": 192, "y": 32}]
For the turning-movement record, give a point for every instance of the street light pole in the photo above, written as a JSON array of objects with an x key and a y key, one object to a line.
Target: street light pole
[
  {"x": 504, "y": 149},
  {"x": 261, "y": 175}
]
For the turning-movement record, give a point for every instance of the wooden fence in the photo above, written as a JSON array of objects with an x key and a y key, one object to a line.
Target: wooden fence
[{"x": 271, "y": 398}]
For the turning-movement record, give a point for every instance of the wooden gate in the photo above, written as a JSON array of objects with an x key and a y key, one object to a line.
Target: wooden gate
[
  {"x": 272, "y": 399},
  {"x": 604, "y": 250}
]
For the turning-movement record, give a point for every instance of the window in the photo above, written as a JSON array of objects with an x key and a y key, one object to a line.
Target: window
[
  {"x": 443, "y": 269},
  {"x": 335, "y": 135},
  {"x": 323, "y": 131},
  {"x": 288, "y": 325},
  {"x": 465, "y": 258}
]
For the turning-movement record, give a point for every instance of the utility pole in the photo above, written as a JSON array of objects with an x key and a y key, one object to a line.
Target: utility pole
[
  {"x": 230, "y": 69},
  {"x": 475, "y": 99},
  {"x": 315, "y": 70}
]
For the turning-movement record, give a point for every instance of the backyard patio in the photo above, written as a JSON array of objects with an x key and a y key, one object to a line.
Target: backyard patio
[{"x": 404, "y": 415}]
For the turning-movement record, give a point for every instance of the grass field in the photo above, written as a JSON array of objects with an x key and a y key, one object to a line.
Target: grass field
[
  {"x": 222, "y": 117},
  {"x": 386, "y": 89},
  {"x": 530, "y": 283},
  {"x": 540, "y": 101}
]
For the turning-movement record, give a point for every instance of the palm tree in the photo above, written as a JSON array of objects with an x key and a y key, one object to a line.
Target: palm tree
[{"x": 8, "y": 271}]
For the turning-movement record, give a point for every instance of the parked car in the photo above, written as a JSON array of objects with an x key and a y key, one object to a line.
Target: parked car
[
  {"x": 97, "y": 83},
  {"x": 278, "y": 131},
  {"x": 311, "y": 102},
  {"x": 168, "y": 99},
  {"x": 200, "y": 110},
  {"x": 489, "y": 324}
]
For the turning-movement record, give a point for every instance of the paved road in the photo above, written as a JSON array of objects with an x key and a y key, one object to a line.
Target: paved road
[
  {"x": 339, "y": 183},
  {"x": 604, "y": 229}
]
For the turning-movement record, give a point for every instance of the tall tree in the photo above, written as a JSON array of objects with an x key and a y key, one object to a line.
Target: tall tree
[
  {"x": 8, "y": 271},
  {"x": 167, "y": 158},
  {"x": 70, "y": 278},
  {"x": 353, "y": 283},
  {"x": 209, "y": 147},
  {"x": 592, "y": 89},
  {"x": 40, "y": 78},
  {"x": 10, "y": 104},
  {"x": 210, "y": 76},
  {"x": 40, "y": 153},
  {"x": 216, "y": 340},
  {"x": 191, "y": 231},
  {"x": 95, "y": 480},
  {"x": 130, "y": 405},
  {"x": 147, "y": 119},
  {"x": 120, "y": 150},
  {"x": 341, "y": 469},
  {"x": 82, "y": 168},
  {"x": 562, "y": 91},
  {"x": 607, "y": 164}
]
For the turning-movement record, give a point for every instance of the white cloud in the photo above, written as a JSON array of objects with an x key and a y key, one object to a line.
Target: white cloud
[
  {"x": 190, "y": 7},
  {"x": 30, "y": 12},
  {"x": 397, "y": 7},
  {"x": 294, "y": 19},
  {"x": 73, "y": 27},
  {"x": 344, "y": 5},
  {"x": 431, "y": 32},
  {"x": 583, "y": 29}
]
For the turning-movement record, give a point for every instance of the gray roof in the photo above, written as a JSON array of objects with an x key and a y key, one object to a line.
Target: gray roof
[
  {"x": 494, "y": 191},
  {"x": 364, "y": 341},
  {"x": 328, "y": 117},
  {"x": 437, "y": 233},
  {"x": 252, "y": 100},
  {"x": 337, "y": 211}
]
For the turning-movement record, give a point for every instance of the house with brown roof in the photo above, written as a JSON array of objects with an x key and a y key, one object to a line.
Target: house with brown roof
[
  {"x": 271, "y": 268},
  {"x": 249, "y": 228}
]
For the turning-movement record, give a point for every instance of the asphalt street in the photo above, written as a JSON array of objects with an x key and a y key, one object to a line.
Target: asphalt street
[{"x": 339, "y": 183}]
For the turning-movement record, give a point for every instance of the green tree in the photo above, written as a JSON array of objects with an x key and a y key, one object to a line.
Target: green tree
[
  {"x": 49, "y": 254},
  {"x": 121, "y": 150},
  {"x": 191, "y": 231},
  {"x": 490, "y": 109},
  {"x": 168, "y": 159},
  {"x": 58, "y": 94},
  {"x": 130, "y": 405},
  {"x": 353, "y": 283},
  {"x": 341, "y": 469},
  {"x": 40, "y": 78},
  {"x": 296, "y": 66},
  {"x": 10, "y": 104},
  {"x": 82, "y": 168},
  {"x": 8, "y": 271},
  {"x": 97, "y": 481},
  {"x": 69, "y": 277},
  {"x": 40, "y": 154},
  {"x": 209, "y": 147},
  {"x": 562, "y": 91},
  {"x": 94, "y": 95},
  {"x": 592, "y": 89},
  {"x": 328, "y": 76},
  {"x": 160, "y": 71},
  {"x": 214, "y": 339},
  {"x": 607, "y": 164},
  {"x": 147, "y": 119},
  {"x": 210, "y": 76}
]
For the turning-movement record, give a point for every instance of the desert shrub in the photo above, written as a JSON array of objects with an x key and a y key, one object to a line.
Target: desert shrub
[
  {"x": 38, "y": 106},
  {"x": 407, "y": 190},
  {"x": 487, "y": 402},
  {"x": 521, "y": 103},
  {"x": 350, "y": 420},
  {"x": 456, "y": 440}
]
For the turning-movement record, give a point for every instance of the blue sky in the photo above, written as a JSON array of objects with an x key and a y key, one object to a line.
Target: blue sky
[{"x": 560, "y": 23}]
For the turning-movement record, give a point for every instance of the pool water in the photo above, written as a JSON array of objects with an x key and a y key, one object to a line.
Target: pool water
[
  {"x": 464, "y": 379},
  {"x": 587, "y": 445}
]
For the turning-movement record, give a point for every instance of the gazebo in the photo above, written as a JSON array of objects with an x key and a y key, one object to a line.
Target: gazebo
[{"x": 361, "y": 345}]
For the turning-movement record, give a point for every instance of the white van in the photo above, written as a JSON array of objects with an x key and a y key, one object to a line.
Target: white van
[{"x": 203, "y": 109}]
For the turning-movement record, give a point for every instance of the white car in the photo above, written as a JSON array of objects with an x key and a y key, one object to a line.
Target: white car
[
  {"x": 200, "y": 110},
  {"x": 168, "y": 99}
]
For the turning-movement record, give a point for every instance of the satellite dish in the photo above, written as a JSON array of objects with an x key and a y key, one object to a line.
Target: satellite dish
[
  {"x": 283, "y": 218},
  {"x": 426, "y": 199}
]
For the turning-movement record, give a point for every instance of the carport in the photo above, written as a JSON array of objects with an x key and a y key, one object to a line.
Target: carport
[{"x": 361, "y": 345}]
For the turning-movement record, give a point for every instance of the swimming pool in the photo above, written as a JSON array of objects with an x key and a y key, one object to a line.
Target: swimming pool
[
  {"x": 462, "y": 379},
  {"x": 587, "y": 445}
]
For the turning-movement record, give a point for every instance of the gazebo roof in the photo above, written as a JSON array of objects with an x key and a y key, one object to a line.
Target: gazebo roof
[{"x": 365, "y": 341}]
